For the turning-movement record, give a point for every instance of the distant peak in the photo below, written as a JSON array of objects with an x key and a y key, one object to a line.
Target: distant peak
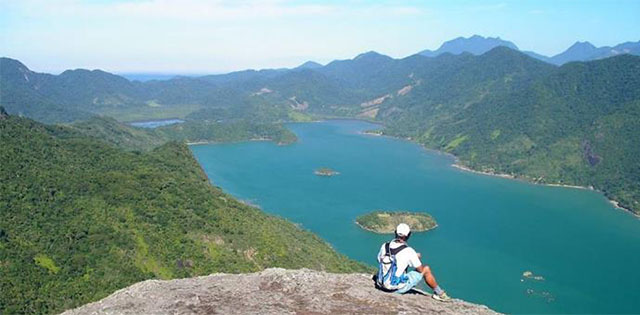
[
  {"x": 12, "y": 63},
  {"x": 309, "y": 65},
  {"x": 501, "y": 50},
  {"x": 476, "y": 45},
  {"x": 584, "y": 44},
  {"x": 369, "y": 54}
]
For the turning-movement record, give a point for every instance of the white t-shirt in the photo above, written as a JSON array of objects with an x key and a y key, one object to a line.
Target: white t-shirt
[{"x": 405, "y": 258}]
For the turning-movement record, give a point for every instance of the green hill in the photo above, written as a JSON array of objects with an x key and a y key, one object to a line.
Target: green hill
[
  {"x": 80, "y": 218},
  {"x": 576, "y": 125},
  {"x": 142, "y": 139}
]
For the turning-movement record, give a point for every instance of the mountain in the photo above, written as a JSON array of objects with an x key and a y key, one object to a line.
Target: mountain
[
  {"x": 20, "y": 94},
  {"x": 580, "y": 51},
  {"x": 431, "y": 99},
  {"x": 257, "y": 95},
  {"x": 577, "y": 125},
  {"x": 585, "y": 51},
  {"x": 476, "y": 45},
  {"x": 81, "y": 218},
  {"x": 627, "y": 48},
  {"x": 79, "y": 94},
  {"x": 309, "y": 65},
  {"x": 272, "y": 291},
  {"x": 143, "y": 77}
]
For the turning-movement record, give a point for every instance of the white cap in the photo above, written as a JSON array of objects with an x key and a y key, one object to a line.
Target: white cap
[{"x": 403, "y": 229}]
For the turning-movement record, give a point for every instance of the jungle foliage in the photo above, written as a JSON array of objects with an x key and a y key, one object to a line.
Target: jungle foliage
[{"x": 81, "y": 218}]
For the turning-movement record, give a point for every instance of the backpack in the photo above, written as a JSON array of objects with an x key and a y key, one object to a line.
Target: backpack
[{"x": 386, "y": 278}]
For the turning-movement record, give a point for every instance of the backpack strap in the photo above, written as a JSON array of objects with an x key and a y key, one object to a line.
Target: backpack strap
[
  {"x": 395, "y": 251},
  {"x": 387, "y": 250}
]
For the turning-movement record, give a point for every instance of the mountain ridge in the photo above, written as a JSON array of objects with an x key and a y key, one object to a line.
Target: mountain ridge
[
  {"x": 476, "y": 45},
  {"x": 418, "y": 97},
  {"x": 579, "y": 51}
]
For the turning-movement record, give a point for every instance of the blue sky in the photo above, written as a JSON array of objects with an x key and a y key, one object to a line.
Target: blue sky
[{"x": 211, "y": 36}]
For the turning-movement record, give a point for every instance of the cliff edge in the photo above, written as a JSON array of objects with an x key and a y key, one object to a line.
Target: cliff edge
[{"x": 272, "y": 291}]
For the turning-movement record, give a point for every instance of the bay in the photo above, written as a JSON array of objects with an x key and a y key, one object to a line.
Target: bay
[{"x": 491, "y": 229}]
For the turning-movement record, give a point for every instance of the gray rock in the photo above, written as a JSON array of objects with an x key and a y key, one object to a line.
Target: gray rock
[{"x": 272, "y": 291}]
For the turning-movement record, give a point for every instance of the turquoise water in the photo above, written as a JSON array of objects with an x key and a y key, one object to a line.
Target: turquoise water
[
  {"x": 490, "y": 230},
  {"x": 156, "y": 123}
]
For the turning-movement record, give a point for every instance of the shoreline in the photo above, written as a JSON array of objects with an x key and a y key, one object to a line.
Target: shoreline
[
  {"x": 456, "y": 164},
  {"x": 613, "y": 202},
  {"x": 153, "y": 120},
  {"x": 374, "y": 231},
  {"x": 203, "y": 142},
  {"x": 523, "y": 179}
]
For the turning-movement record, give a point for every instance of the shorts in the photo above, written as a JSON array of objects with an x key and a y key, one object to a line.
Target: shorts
[{"x": 414, "y": 278}]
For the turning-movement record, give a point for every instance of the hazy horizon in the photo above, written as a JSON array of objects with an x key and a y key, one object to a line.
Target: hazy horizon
[{"x": 195, "y": 37}]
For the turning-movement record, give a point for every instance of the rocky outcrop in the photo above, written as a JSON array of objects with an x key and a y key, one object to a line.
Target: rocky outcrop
[
  {"x": 297, "y": 105},
  {"x": 272, "y": 291},
  {"x": 376, "y": 101}
]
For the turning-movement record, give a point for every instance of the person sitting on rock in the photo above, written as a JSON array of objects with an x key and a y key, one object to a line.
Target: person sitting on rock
[{"x": 395, "y": 257}]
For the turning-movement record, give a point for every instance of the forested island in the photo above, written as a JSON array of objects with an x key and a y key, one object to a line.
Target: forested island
[{"x": 385, "y": 222}]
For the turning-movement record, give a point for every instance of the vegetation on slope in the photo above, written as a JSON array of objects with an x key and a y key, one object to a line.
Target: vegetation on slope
[
  {"x": 577, "y": 125},
  {"x": 144, "y": 139},
  {"x": 80, "y": 218},
  {"x": 204, "y": 131}
]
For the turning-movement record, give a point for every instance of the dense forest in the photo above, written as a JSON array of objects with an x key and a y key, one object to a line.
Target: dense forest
[
  {"x": 81, "y": 217},
  {"x": 577, "y": 124}
]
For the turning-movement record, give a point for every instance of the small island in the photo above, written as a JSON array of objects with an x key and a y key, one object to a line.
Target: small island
[
  {"x": 385, "y": 222},
  {"x": 324, "y": 171}
]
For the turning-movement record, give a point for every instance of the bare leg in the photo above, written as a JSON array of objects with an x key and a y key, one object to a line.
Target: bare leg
[{"x": 428, "y": 277}]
